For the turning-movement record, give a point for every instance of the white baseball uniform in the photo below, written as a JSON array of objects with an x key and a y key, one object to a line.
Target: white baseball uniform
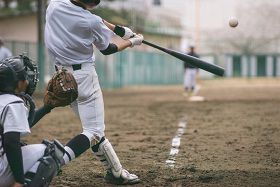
[
  {"x": 14, "y": 116},
  {"x": 70, "y": 33},
  {"x": 190, "y": 73},
  {"x": 190, "y": 78},
  {"x": 4, "y": 53},
  {"x": 69, "y": 44}
]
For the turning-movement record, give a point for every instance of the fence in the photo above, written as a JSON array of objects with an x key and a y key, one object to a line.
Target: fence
[
  {"x": 255, "y": 65},
  {"x": 138, "y": 68},
  {"x": 127, "y": 68}
]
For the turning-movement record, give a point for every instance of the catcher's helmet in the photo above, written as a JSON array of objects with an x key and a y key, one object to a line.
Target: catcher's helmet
[
  {"x": 15, "y": 69},
  {"x": 32, "y": 74},
  {"x": 95, "y": 2}
]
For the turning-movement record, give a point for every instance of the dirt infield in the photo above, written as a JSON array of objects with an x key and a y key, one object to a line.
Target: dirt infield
[{"x": 231, "y": 139}]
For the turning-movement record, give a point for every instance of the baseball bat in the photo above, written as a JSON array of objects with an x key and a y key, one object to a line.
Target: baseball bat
[{"x": 196, "y": 62}]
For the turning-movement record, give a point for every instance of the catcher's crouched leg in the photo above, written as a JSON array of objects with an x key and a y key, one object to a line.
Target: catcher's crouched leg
[
  {"x": 109, "y": 159},
  {"x": 48, "y": 166}
]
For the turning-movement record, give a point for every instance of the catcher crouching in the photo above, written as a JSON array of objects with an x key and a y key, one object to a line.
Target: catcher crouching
[{"x": 32, "y": 165}]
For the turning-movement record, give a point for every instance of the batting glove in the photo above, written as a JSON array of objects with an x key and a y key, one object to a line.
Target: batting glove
[
  {"x": 136, "y": 40},
  {"x": 128, "y": 33},
  {"x": 123, "y": 32}
]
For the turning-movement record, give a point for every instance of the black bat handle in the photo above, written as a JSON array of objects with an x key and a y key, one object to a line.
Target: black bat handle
[{"x": 154, "y": 45}]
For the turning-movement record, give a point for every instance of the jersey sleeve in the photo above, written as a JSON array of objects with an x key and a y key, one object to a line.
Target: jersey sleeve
[
  {"x": 101, "y": 33},
  {"x": 14, "y": 119}
]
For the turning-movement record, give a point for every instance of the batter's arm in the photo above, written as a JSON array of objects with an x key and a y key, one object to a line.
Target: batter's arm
[
  {"x": 123, "y": 45},
  {"x": 109, "y": 25},
  {"x": 12, "y": 147},
  {"x": 129, "y": 38},
  {"x": 113, "y": 48},
  {"x": 122, "y": 31}
]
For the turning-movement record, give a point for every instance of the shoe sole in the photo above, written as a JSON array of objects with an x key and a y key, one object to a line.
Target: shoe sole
[{"x": 136, "y": 181}]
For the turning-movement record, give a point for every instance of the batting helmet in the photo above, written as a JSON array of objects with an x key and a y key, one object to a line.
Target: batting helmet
[
  {"x": 95, "y": 2},
  {"x": 15, "y": 69}
]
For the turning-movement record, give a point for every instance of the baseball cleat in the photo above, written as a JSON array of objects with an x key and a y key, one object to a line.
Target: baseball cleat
[{"x": 125, "y": 178}]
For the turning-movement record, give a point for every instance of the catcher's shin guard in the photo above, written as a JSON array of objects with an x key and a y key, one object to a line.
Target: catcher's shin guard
[
  {"x": 115, "y": 173},
  {"x": 49, "y": 166},
  {"x": 46, "y": 170}
]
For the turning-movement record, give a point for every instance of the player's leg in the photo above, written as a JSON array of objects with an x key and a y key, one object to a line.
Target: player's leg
[
  {"x": 77, "y": 145},
  {"x": 103, "y": 149},
  {"x": 33, "y": 159},
  {"x": 90, "y": 107},
  {"x": 115, "y": 174},
  {"x": 84, "y": 108},
  {"x": 46, "y": 167},
  {"x": 30, "y": 155},
  {"x": 186, "y": 86},
  {"x": 189, "y": 79},
  {"x": 193, "y": 79}
]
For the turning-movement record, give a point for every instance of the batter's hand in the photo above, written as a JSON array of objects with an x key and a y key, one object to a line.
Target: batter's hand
[
  {"x": 128, "y": 33},
  {"x": 136, "y": 40}
]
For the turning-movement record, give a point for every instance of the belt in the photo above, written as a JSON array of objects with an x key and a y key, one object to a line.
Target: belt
[
  {"x": 77, "y": 67},
  {"x": 74, "y": 67}
]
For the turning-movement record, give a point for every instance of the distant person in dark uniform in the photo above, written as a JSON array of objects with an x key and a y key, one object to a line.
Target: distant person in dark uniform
[{"x": 190, "y": 73}]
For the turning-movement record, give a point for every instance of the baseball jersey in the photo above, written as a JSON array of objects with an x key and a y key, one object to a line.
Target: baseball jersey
[
  {"x": 4, "y": 53},
  {"x": 70, "y": 32},
  {"x": 14, "y": 116}
]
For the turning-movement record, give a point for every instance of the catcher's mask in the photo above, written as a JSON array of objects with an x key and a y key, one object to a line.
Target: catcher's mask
[
  {"x": 15, "y": 69},
  {"x": 32, "y": 74}
]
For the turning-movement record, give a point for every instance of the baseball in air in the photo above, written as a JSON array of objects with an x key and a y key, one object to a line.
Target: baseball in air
[{"x": 233, "y": 22}]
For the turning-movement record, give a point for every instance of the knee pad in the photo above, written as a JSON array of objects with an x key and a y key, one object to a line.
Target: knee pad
[
  {"x": 94, "y": 139},
  {"x": 54, "y": 149},
  {"x": 49, "y": 165},
  {"x": 46, "y": 171}
]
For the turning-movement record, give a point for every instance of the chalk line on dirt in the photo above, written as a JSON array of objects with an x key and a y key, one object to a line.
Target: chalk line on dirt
[{"x": 175, "y": 144}]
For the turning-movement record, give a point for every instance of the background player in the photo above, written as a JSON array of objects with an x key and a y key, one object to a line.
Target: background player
[
  {"x": 190, "y": 73},
  {"x": 26, "y": 164},
  {"x": 4, "y": 51},
  {"x": 69, "y": 34}
]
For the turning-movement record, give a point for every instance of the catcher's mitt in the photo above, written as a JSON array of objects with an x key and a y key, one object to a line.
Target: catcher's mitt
[{"x": 62, "y": 89}]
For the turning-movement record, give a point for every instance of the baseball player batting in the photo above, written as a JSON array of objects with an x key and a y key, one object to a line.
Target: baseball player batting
[
  {"x": 32, "y": 165},
  {"x": 70, "y": 33}
]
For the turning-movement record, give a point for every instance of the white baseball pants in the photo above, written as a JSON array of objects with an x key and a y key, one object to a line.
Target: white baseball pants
[
  {"x": 30, "y": 155},
  {"x": 89, "y": 105},
  {"x": 190, "y": 78}
]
